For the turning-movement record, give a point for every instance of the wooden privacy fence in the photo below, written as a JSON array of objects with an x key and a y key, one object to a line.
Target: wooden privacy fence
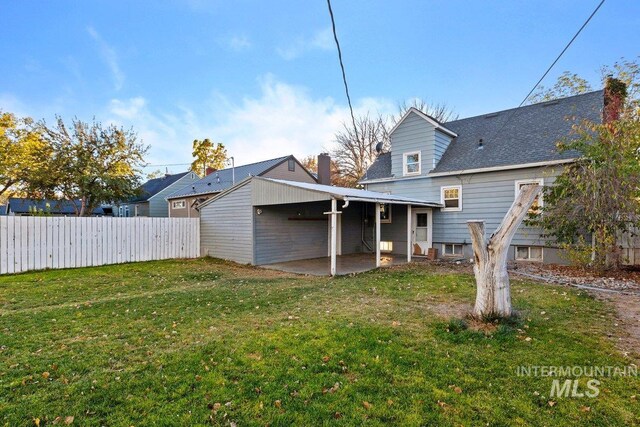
[{"x": 35, "y": 243}]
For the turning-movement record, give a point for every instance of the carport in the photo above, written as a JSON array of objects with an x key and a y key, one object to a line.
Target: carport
[{"x": 269, "y": 221}]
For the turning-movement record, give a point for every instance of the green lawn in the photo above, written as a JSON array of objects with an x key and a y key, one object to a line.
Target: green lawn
[{"x": 203, "y": 342}]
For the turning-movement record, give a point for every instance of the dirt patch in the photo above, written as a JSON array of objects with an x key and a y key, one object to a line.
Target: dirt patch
[{"x": 626, "y": 324}]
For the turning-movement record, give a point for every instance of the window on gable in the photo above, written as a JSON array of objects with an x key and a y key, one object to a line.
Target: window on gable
[
  {"x": 292, "y": 165},
  {"x": 537, "y": 202},
  {"x": 411, "y": 163},
  {"x": 451, "y": 197}
]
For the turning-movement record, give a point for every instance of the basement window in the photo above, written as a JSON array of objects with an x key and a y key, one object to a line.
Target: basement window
[
  {"x": 451, "y": 249},
  {"x": 386, "y": 246},
  {"x": 528, "y": 253}
]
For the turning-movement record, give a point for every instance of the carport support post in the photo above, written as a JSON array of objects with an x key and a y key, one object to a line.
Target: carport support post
[
  {"x": 409, "y": 234},
  {"x": 378, "y": 206},
  {"x": 334, "y": 234}
]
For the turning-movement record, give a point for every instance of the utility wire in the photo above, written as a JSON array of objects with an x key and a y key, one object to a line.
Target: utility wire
[
  {"x": 344, "y": 75},
  {"x": 513, "y": 112}
]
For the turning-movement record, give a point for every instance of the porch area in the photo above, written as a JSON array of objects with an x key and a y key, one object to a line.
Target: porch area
[{"x": 345, "y": 264}]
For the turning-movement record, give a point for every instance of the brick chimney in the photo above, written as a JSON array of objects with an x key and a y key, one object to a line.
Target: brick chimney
[
  {"x": 324, "y": 169},
  {"x": 210, "y": 170},
  {"x": 615, "y": 92}
]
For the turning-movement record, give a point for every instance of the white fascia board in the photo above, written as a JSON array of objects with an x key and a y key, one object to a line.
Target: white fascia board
[{"x": 470, "y": 171}]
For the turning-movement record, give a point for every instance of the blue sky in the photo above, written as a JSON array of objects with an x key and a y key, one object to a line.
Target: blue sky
[{"x": 263, "y": 77}]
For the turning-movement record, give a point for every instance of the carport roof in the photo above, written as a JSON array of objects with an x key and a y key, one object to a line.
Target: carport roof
[{"x": 354, "y": 194}]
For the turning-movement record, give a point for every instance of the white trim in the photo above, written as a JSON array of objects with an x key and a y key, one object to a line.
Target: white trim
[
  {"x": 470, "y": 171},
  {"x": 425, "y": 117},
  {"x": 405, "y": 172},
  {"x": 448, "y": 187},
  {"x": 539, "y": 181}
]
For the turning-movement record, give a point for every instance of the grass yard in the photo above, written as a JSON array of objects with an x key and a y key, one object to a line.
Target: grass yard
[{"x": 204, "y": 342}]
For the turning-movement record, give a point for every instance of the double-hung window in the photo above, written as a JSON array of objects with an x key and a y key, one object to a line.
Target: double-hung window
[
  {"x": 451, "y": 197},
  {"x": 411, "y": 163},
  {"x": 537, "y": 202}
]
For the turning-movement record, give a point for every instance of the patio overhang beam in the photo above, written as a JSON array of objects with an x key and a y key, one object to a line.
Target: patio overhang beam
[{"x": 393, "y": 202}]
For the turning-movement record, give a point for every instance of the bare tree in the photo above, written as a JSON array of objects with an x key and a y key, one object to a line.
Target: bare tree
[
  {"x": 441, "y": 112},
  {"x": 493, "y": 293},
  {"x": 356, "y": 150}
]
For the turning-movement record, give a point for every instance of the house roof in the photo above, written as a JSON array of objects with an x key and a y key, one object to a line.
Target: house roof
[
  {"x": 56, "y": 207},
  {"x": 519, "y": 136},
  {"x": 425, "y": 117},
  {"x": 222, "y": 179},
  {"x": 156, "y": 185},
  {"x": 321, "y": 192}
]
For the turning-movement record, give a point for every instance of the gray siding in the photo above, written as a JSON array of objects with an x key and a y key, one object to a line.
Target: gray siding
[
  {"x": 226, "y": 227},
  {"x": 282, "y": 172},
  {"x": 273, "y": 193},
  {"x": 158, "y": 206},
  {"x": 291, "y": 232},
  {"x": 442, "y": 141},
  {"x": 486, "y": 196},
  {"x": 414, "y": 134}
]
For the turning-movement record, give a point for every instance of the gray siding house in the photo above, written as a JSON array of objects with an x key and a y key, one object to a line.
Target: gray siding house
[
  {"x": 185, "y": 201},
  {"x": 474, "y": 167},
  {"x": 151, "y": 200}
]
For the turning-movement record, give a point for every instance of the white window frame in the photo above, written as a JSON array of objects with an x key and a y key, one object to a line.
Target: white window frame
[
  {"x": 178, "y": 204},
  {"x": 529, "y": 254},
  {"x": 453, "y": 251},
  {"x": 404, "y": 163},
  {"x": 539, "y": 181},
  {"x": 449, "y": 187}
]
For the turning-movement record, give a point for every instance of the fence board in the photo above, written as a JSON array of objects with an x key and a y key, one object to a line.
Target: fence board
[{"x": 36, "y": 243}]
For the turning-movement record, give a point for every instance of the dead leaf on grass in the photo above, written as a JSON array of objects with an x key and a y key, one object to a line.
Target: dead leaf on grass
[{"x": 366, "y": 405}]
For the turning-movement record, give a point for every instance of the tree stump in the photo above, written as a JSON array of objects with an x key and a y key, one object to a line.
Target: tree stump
[{"x": 493, "y": 293}]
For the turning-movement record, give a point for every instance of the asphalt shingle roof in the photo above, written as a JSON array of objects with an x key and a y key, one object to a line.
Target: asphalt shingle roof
[
  {"x": 222, "y": 179},
  {"x": 511, "y": 137},
  {"x": 156, "y": 185},
  {"x": 55, "y": 207}
]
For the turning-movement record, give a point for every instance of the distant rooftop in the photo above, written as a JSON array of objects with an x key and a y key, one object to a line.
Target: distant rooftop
[{"x": 156, "y": 185}]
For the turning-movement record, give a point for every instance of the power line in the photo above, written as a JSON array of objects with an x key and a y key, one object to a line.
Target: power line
[
  {"x": 344, "y": 75},
  {"x": 513, "y": 112}
]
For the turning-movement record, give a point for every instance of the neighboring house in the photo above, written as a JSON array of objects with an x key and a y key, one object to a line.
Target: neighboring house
[
  {"x": 184, "y": 202},
  {"x": 3, "y": 209},
  {"x": 474, "y": 167},
  {"x": 29, "y": 207},
  {"x": 151, "y": 199}
]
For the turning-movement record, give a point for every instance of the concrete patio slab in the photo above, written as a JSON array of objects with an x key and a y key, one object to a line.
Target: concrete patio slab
[{"x": 346, "y": 264}]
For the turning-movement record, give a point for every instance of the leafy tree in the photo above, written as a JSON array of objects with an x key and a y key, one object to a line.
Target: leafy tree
[
  {"x": 598, "y": 195},
  {"x": 93, "y": 164},
  {"x": 24, "y": 155},
  {"x": 568, "y": 84},
  {"x": 208, "y": 154},
  {"x": 355, "y": 148},
  {"x": 155, "y": 174}
]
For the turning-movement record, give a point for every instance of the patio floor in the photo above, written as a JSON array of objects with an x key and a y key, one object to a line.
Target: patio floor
[{"x": 345, "y": 264}]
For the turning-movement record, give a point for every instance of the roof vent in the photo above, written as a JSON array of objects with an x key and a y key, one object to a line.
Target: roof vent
[
  {"x": 480, "y": 144},
  {"x": 492, "y": 115},
  {"x": 208, "y": 183}
]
